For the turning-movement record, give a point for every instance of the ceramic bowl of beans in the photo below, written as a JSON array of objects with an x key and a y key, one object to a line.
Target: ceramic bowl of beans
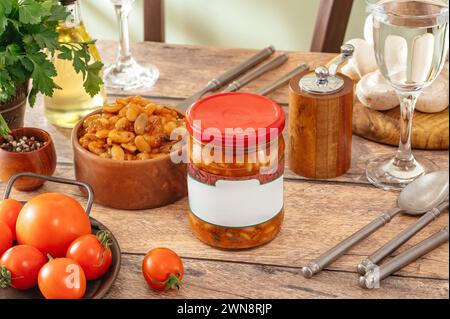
[
  {"x": 27, "y": 150},
  {"x": 124, "y": 151}
]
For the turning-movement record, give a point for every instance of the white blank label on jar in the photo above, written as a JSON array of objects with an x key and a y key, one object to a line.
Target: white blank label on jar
[{"x": 236, "y": 203}]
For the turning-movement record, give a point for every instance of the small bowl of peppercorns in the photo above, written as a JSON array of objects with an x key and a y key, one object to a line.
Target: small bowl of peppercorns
[{"x": 27, "y": 150}]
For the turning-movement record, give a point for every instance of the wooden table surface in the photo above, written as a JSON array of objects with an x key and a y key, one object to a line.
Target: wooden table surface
[{"x": 319, "y": 214}]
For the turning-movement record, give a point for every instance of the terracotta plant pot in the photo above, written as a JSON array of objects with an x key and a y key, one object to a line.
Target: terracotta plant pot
[
  {"x": 41, "y": 161},
  {"x": 131, "y": 185},
  {"x": 13, "y": 111}
]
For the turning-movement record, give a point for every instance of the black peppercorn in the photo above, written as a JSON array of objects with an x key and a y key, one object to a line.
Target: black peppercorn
[{"x": 21, "y": 144}]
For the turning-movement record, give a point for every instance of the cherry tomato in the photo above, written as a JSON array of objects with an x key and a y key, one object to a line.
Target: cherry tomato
[
  {"x": 162, "y": 269},
  {"x": 20, "y": 267},
  {"x": 92, "y": 253},
  {"x": 51, "y": 222},
  {"x": 6, "y": 238},
  {"x": 9, "y": 210},
  {"x": 62, "y": 278}
]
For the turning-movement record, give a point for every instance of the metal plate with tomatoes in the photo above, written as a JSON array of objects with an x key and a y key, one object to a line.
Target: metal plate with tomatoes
[{"x": 95, "y": 289}]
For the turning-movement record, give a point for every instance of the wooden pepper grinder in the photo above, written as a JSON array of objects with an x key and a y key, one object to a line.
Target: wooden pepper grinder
[{"x": 320, "y": 121}]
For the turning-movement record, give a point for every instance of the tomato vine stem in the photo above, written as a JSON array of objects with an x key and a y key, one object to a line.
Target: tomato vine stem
[
  {"x": 171, "y": 282},
  {"x": 105, "y": 239}
]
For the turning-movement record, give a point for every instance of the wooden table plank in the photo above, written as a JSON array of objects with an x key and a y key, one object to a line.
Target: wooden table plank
[
  {"x": 213, "y": 279},
  {"x": 318, "y": 215},
  {"x": 184, "y": 70},
  {"x": 362, "y": 150}
]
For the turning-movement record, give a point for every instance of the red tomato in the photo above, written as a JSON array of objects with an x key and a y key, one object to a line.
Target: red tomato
[
  {"x": 51, "y": 222},
  {"x": 9, "y": 210},
  {"x": 162, "y": 269},
  {"x": 23, "y": 263},
  {"x": 6, "y": 238},
  {"x": 62, "y": 278},
  {"x": 92, "y": 253}
]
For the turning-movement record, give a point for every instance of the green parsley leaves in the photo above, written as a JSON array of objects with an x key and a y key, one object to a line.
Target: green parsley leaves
[
  {"x": 81, "y": 60},
  {"x": 30, "y": 11},
  {"x": 27, "y": 36}
]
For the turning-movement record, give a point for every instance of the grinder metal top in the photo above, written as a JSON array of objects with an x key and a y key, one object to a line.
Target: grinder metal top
[{"x": 325, "y": 80}]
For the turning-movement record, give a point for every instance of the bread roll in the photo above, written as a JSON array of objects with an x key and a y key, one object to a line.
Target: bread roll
[
  {"x": 374, "y": 92},
  {"x": 350, "y": 71},
  {"x": 434, "y": 98},
  {"x": 364, "y": 57}
]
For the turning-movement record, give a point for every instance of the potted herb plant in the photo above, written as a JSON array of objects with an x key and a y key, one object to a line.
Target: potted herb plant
[{"x": 28, "y": 38}]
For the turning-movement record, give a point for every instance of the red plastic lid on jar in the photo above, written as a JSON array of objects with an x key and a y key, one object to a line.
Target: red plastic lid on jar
[{"x": 230, "y": 119}]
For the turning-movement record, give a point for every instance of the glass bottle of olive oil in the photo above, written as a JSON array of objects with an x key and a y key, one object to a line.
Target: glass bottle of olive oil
[{"x": 69, "y": 104}]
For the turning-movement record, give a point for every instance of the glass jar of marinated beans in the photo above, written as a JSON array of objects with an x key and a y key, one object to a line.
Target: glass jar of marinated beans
[{"x": 235, "y": 169}]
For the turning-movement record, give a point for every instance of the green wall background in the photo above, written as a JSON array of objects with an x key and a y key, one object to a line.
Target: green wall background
[{"x": 287, "y": 24}]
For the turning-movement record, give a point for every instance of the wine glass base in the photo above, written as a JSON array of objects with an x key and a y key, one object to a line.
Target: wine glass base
[
  {"x": 383, "y": 173},
  {"x": 131, "y": 76}
]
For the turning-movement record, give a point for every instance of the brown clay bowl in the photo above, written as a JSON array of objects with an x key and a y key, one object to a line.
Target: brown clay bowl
[
  {"x": 41, "y": 161},
  {"x": 129, "y": 185},
  {"x": 13, "y": 111}
]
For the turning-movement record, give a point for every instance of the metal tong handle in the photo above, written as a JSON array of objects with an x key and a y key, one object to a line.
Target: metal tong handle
[
  {"x": 400, "y": 239},
  {"x": 334, "y": 253},
  {"x": 59, "y": 180},
  {"x": 377, "y": 274},
  {"x": 241, "y": 68},
  {"x": 236, "y": 85},
  {"x": 228, "y": 76},
  {"x": 283, "y": 80}
]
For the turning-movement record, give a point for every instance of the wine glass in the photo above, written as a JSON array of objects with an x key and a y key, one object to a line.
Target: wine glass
[
  {"x": 126, "y": 73},
  {"x": 411, "y": 43}
]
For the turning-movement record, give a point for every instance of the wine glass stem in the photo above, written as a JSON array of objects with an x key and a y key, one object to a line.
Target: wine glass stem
[
  {"x": 404, "y": 158},
  {"x": 122, "y": 12}
]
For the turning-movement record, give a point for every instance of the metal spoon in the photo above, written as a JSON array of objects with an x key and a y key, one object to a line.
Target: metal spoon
[{"x": 418, "y": 197}]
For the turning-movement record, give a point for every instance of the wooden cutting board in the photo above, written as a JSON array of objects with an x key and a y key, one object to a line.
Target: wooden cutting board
[{"x": 430, "y": 131}]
